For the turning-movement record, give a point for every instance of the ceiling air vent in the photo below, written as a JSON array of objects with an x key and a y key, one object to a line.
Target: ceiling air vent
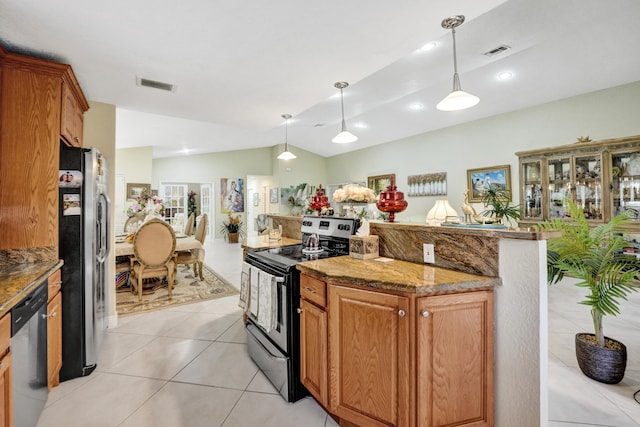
[
  {"x": 155, "y": 85},
  {"x": 497, "y": 50}
]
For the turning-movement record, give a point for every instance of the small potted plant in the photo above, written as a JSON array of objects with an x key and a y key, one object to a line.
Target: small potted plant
[
  {"x": 231, "y": 229},
  {"x": 595, "y": 257},
  {"x": 500, "y": 207}
]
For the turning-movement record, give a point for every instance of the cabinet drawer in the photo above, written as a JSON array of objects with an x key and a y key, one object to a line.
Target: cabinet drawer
[
  {"x": 54, "y": 284},
  {"x": 5, "y": 333},
  {"x": 313, "y": 290}
]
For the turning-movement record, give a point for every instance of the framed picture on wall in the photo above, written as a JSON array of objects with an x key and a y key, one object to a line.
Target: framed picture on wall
[
  {"x": 134, "y": 190},
  {"x": 481, "y": 179},
  {"x": 273, "y": 195},
  {"x": 380, "y": 183},
  {"x": 256, "y": 199}
]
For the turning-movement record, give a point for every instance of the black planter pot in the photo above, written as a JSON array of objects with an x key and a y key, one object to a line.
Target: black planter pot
[{"x": 600, "y": 363}]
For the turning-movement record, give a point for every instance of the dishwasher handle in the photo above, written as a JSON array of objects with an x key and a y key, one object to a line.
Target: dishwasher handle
[{"x": 22, "y": 312}]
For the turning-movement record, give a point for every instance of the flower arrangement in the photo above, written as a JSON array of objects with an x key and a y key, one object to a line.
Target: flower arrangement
[
  {"x": 146, "y": 204},
  {"x": 354, "y": 193},
  {"x": 232, "y": 228}
]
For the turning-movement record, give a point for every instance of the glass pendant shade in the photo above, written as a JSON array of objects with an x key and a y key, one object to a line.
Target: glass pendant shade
[
  {"x": 286, "y": 154},
  {"x": 440, "y": 211},
  {"x": 344, "y": 137},
  {"x": 457, "y": 99}
]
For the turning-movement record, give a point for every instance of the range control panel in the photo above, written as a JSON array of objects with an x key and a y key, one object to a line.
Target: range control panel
[{"x": 329, "y": 226}]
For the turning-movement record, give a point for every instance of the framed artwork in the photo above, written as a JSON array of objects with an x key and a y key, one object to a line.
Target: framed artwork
[
  {"x": 427, "y": 184},
  {"x": 380, "y": 182},
  {"x": 231, "y": 195},
  {"x": 256, "y": 199},
  {"x": 479, "y": 180},
  {"x": 273, "y": 195},
  {"x": 134, "y": 190}
]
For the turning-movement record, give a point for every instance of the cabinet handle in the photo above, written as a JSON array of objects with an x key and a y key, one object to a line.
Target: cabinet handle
[
  {"x": 424, "y": 313},
  {"x": 77, "y": 139},
  {"x": 299, "y": 310},
  {"x": 401, "y": 313},
  {"x": 310, "y": 290},
  {"x": 47, "y": 316},
  {"x": 58, "y": 284}
]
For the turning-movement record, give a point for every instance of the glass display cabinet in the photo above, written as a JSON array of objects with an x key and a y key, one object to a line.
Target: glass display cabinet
[{"x": 603, "y": 177}]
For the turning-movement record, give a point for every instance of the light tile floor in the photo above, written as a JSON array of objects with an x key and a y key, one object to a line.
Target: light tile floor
[{"x": 188, "y": 366}]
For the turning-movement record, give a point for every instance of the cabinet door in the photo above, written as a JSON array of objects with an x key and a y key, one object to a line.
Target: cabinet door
[
  {"x": 54, "y": 340},
  {"x": 559, "y": 184},
  {"x": 368, "y": 357},
  {"x": 588, "y": 185},
  {"x": 455, "y": 360},
  {"x": 72, "y": 118},
  {"x": 531, "y": 190},
  {"x": 313, "y": 351},
  {"x": 6, "y": 399}
]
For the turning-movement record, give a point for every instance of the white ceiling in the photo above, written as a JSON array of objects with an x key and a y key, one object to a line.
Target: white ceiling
[{"x": 239, "y": 65}]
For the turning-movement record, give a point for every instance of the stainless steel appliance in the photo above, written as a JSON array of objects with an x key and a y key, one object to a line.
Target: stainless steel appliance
[
  {"x": 84, "y": 246},
  {"x": 277, "y": 351},
  {"x": 29, "y": 356}
]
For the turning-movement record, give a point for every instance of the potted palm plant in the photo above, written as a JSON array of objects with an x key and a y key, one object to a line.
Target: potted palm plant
[
  {"x": 231, "y": 229},
  {"x": 595, "y": 257},
  {"x": 498, "y": 200}
]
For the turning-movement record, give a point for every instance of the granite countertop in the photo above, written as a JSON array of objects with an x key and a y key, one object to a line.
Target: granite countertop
[
  {"x": 263, "y": 242},
  {"x": 396, "y": 275},
  {"x": 17, "y": 280}
]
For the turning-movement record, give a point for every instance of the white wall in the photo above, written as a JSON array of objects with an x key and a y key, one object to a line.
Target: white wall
[{"x": 492, "y": 141}]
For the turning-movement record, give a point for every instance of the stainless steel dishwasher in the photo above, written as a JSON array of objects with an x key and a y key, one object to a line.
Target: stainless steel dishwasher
[{"x": 29, "y": 357}]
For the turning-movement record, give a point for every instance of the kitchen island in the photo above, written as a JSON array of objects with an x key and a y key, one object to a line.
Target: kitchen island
[
  {"x": 395, "y": 342},
  {"x": 518, "y": 258}
]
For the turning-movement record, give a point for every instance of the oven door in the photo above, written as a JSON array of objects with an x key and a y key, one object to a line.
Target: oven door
[{"x": 278, "y": 334}]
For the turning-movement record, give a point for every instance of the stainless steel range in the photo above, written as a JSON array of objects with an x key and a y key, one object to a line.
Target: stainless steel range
[{"x": 276, "y": 350}]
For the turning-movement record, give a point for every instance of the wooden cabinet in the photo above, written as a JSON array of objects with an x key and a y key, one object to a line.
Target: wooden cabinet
[
  {"x": 54, "y": 330},
  {"x": 390, "y": 359},
  {"x": 31, "y": 99},
  {"x": 454, "y": 340},
  {"x": 603, "y": 177},
  {"x": 369, "y": 357},
  {"x": 6, "y": 396},
  {"x": 72, "y": 117}
]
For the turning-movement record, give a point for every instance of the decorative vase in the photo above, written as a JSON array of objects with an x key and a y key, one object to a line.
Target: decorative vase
[
  {"x": 391, "y": 201},
  {"x": 602, "y": 364},
  {"x": 232, "y": 237}
]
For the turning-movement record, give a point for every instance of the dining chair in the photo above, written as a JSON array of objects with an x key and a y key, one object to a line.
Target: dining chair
[
  {"x": 188, "y": 228},
  {"x": 132, "y": 223},
  {"x": 191, "y": 257},
  {"x": 154, "y": 248}
]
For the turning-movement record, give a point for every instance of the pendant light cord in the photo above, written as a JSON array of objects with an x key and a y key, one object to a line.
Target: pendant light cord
[{"x": 456, "y": 79}]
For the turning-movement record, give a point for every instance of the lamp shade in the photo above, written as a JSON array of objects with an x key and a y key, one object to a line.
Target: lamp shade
[
  {"x": 286, "y": 155},
  {"x": 344, "y": 137},
  {"x": 457, "y": 100},
  {"x": 440, "y": 211}
]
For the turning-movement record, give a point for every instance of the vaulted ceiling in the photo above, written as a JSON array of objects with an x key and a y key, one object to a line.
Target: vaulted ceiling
[{"x": 237, "y": 66}]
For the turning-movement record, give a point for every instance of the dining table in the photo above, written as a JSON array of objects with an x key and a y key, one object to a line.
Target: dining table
[{"x": 183, "y": 243}]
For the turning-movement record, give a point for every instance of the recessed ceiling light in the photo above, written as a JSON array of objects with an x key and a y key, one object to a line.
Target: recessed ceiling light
[
  {"x": 360, "y": 125},
  {"x": 416, "y": 106},
  {"x": 186, "y": 151},
  {"x": 505, "y": 75},
  {"x": 427, "y": 47}
]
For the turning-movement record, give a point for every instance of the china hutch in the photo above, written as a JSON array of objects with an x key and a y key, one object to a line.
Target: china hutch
[{"x": 603, "y": 177}]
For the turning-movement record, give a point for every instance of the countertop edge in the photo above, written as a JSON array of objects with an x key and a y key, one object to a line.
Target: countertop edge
[{"x": 17, "y": 280}]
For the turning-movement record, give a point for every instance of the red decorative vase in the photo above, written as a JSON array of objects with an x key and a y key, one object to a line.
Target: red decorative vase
[
  {"x": 319, "y": 201},
  {"x": 391, "y": 201}
]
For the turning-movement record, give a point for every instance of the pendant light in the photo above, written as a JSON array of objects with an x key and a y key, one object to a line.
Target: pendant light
[
  {"x": 344, "y": 137},
  {"x": 458, "y": 99},
  {"x": 286, "y": 154}
]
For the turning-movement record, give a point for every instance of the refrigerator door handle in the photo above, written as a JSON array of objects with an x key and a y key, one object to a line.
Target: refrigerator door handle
[{"x": 104, "y": 201}]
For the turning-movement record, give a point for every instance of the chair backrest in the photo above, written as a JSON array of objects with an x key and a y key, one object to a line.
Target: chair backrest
[
  {"x": 154, "y": 243},
  {"x": 262, "y": 222},
  {"x": 201, "y": 229},
  {"x": 188, "y": 228},
  {"x": 136, "y": 219}
]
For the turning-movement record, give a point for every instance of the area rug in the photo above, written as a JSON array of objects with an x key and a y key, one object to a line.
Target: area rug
[{"x": 188, "y": 288}]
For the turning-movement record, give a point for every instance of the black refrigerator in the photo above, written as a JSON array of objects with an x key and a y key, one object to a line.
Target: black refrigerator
[{"x": 84, "y": 247}]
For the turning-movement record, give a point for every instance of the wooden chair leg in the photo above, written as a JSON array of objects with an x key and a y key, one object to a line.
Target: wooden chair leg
[
  {"x": 170, "y": 278},
  {"x": 199, "y": 264}
]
